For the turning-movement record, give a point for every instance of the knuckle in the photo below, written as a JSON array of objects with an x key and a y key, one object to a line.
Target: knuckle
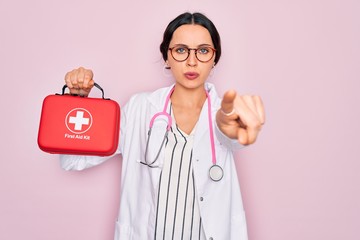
[
  {"x": 88, "y": 76},
  {"x": 255, "y": 124},
  {"x": 245, "y": 97}
]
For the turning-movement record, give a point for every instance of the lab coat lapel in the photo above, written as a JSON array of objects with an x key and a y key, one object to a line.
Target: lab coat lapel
[
  {"x": 202, "y": 143},
  {"x": 202, "y": 134},
  {"x": 202, "y": 126}
]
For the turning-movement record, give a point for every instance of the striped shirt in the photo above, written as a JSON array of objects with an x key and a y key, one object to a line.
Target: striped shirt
[{"x": 178, "y": 215}]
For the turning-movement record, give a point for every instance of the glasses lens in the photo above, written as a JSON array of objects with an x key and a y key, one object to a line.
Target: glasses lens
[
  {"x": 204, "y": 54},
  {"x": 180, "y": 53}
]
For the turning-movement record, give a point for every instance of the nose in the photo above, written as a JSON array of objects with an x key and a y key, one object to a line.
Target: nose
[{"x": 192, "y": 60}]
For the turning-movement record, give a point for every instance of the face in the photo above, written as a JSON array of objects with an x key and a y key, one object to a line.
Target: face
[{"x": 190, "y": 73}]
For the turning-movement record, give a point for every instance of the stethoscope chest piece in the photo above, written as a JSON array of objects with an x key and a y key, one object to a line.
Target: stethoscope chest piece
[{"x": 216, "y": 173}]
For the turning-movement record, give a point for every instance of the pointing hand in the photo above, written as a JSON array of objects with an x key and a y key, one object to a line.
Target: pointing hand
[{"x": 241, "y": 117}]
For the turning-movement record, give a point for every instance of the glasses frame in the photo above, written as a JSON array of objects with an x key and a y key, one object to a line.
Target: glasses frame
[{"x": 189, "y": 49}]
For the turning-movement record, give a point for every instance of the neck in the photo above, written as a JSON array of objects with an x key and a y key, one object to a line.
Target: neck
[{"x": 189, "y": 98}]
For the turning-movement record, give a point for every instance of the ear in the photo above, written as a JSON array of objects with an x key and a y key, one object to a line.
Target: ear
[{"x": 167, "y": 65}]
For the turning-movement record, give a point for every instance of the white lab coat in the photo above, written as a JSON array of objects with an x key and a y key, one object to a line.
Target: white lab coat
[{"x": 220, "y": 203}]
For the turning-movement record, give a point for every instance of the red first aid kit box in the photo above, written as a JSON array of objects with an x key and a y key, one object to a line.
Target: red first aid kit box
[{"x": 79, "y": 125}]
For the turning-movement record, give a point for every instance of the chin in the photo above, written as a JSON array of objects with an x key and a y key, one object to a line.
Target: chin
[{"x": 190, "y": 84}]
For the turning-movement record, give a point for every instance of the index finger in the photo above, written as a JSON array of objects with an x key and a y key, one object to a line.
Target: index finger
[{"x": 227, "y": 103}]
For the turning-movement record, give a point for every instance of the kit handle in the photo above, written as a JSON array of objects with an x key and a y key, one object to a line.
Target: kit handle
[{"x": 95, "y": 84}]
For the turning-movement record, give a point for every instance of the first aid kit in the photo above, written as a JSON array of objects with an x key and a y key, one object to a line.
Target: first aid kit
[{"x": 72, "y": 124}]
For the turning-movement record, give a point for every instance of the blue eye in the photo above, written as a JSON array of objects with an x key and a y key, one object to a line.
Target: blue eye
[
  {"x": 181, "y": 50},
  {"x": 203, "y": 50}
]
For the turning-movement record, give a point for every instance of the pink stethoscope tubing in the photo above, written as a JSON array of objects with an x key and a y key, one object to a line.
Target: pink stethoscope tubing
[{"x": 216, "y": 172}]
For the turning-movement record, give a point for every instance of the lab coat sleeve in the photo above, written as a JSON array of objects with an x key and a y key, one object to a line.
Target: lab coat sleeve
[
  {"x": 232, "y": 144},
  {"x": 78, "y": 162}
]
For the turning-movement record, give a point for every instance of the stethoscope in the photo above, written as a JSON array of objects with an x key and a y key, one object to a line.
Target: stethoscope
[{"x": 216, "y": 173}]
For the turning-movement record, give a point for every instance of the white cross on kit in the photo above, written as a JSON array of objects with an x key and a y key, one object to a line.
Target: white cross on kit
[{"x": 79, "y": 120}]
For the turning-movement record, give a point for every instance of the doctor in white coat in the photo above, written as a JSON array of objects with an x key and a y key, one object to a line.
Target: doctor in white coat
[{"x": 167, "y": 188}]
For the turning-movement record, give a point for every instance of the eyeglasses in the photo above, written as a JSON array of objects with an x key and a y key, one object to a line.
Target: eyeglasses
[{"x": 203, "y": 54}]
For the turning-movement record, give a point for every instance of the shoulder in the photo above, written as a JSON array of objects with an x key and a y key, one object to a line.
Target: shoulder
[
  {"x": 145, "y": 99},
  {"x": 136, "y": 104}
]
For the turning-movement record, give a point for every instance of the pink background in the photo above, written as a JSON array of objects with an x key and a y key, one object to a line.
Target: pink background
[{"x": 299, "y": 181}]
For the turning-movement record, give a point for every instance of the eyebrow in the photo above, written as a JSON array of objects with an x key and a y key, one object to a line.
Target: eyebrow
[{"x": 184, "y": 45}]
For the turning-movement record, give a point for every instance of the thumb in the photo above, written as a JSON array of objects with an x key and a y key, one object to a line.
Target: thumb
[{"x": 227, "y": 104}]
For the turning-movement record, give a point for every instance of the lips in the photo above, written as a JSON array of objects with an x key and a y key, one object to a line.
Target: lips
[{"x": 191, "y": 75}]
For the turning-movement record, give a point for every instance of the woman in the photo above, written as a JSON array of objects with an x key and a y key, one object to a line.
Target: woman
[{"x": 180, "y": 185}]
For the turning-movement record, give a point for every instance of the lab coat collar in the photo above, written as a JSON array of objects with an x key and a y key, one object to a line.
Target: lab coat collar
[{"x": 158, "y": 97}]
